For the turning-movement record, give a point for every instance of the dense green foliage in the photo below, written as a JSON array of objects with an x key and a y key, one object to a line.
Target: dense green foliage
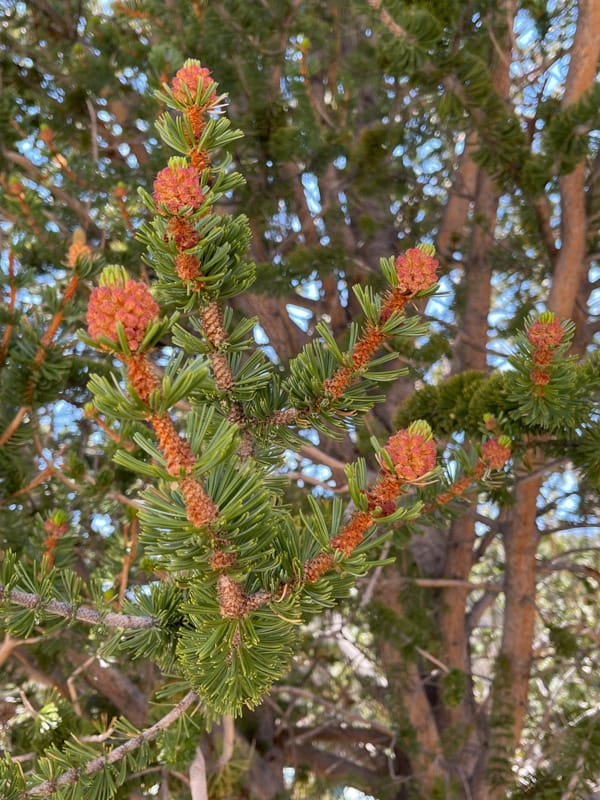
[{"x": 350, "y": 130}]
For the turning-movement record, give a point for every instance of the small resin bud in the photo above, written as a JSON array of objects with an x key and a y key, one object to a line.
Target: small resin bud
[
  {"x": 416, "y": 269},
  {"x": 78, "y": 249},
  {"x": 496, "y": 452},
  {"x": 412, "y": 452},
  {"x": 182, "y": 232},
  {"x": 489, "y": 422},
  {"x": 200, "y": 159},
  {"x": 546, "y": 332},
  {"x": 16, "y": 188},
  {"x": 177, "y": 189},
  {"x": 46, "y": 134},
  {"x": 221, "y": 560},
  {"x": 232, "y": 598},
  {"x": 192, "y": 82},
  {"x": 57, "y": 523},
  {"x": 187, "y": 266},
  {"x": 55, "y": 526},
  {"x": 118, "y": 299}
]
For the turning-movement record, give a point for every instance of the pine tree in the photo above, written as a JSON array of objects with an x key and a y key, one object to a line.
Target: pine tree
[{"x": 154, "y": 543}]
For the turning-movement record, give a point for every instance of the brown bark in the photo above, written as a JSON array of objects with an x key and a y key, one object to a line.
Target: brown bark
[
  {"x": 404, "y": 679},
  {"x": 478, "y": 272},
  {"x": 460, "y": 199},
  {"x": 571, "y": 264},
  {"x": 462, "y": 722},
  {"x": 511, "y": 685},
  {"x": 470, "y": 352},
  {"x": 453, "y": 599},
  {"x": 510, "y": 690},
  {"x": 116, "y": 687}
]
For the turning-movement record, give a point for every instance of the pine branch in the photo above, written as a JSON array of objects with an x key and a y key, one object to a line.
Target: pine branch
[
  {"x": 78, "y": 255},
  {"x": 97, "y": 764},
  {"x": 61, "y": 196},
  {"x": 85, "y": 614}
]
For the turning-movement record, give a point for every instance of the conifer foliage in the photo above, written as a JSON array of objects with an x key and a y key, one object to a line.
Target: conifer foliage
[
  {"x": 158, "y": 547},
  {"x": 239, "y": 569}
]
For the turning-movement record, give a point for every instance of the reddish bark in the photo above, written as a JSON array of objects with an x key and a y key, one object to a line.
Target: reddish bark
[
  {"x": 470, "y": 352},
  {"x": 460, "y": 198},
  {"x": 571, "y": 264}
]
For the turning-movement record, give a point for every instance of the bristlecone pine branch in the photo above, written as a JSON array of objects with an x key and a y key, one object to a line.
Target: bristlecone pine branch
[
  {"x": 237, "y": 569},
  {"x": 213, "y": 518}
]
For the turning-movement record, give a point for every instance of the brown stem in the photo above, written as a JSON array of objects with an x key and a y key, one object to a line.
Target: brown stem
[
  {"x": 13, "y": 425},
  {"x": 91, "y": 616},
  {"x": 129, "y": 446},
  {"x": 130, "y": 532},
  {"x": 366, "y": 347},
  {"x": 9, "y": 644},
  {"x": 10, "y": 307},
  {"x": 95, "y": 765}
]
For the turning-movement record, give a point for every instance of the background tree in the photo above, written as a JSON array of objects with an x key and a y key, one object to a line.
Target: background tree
[{"x": 369, "y": 127}]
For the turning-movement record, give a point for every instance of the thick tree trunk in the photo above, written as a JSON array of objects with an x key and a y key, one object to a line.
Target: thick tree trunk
[
  {"x": 571, "y": 263},
  {"x": 462, "y": 722},
  {"x": 511, "y": 683},
  {"x": 470, "y": 348},
  {"x": 459, "y": 202},
  {"x": 512, "y": 668}
]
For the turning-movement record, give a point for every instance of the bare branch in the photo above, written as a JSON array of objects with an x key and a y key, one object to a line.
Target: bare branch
[
  {"x": 228, "y": 742},
  {"x": 97, "y": 764},
  {"x": 81, "y": 613},
  {"x": 59, "y": 194},
  {"x": 198, "y": 785},
  {"x": 9, "y": 644},
  {"x": 303, "y": 476}
]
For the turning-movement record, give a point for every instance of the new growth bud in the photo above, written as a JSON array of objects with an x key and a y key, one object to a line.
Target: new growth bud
[
  {"x": 546, "y": 332},
  {"x": 412, "y": 451},
  {"x": 496, "y": 452},
  {"x": 416, "y": 269},
  {"x": 177, "y": 189},
  {"x": 118, "y": 299},
  {"x": 78, "y": 250},
  {"x": 191, "y": 84}
]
